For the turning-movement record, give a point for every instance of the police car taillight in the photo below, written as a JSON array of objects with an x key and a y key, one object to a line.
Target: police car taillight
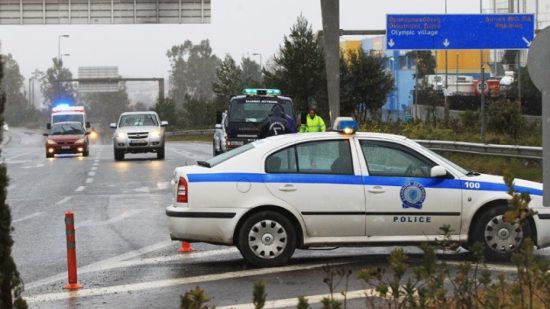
[{"x": 182, "y": 191}]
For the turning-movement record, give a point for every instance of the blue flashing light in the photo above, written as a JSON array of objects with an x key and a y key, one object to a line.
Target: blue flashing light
[
  {"x": 62, "y": 105},
  {"x": 345, "y": 125}
]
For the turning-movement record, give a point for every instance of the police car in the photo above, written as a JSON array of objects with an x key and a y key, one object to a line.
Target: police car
[{"x": 343, "y": 188}]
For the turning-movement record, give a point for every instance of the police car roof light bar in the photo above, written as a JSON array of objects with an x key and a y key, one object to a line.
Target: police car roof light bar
[{"x": 346, "y": 125}]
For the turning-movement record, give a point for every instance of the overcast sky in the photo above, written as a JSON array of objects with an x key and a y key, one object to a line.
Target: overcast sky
[{"x": 238, "y": 28}]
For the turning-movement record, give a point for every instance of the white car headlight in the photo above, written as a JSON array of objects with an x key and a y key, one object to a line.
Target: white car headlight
[
  {"x": 155, "y": 134},
  {"x": 121, "y": 135}
]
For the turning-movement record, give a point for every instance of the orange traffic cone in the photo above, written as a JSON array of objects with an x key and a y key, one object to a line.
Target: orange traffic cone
[{"x": 185, "y": 247}]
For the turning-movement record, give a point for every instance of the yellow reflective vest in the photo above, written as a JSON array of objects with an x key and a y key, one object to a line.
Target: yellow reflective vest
[{"x": 313, "y": 125}]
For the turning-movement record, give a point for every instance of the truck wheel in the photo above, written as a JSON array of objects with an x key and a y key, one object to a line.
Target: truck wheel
[
  {"x": 499, "y": 238},
  {"x": 119, "y": 155},
  {"x": 160, "y": 153},
  {"x": 267, "y": 239}
]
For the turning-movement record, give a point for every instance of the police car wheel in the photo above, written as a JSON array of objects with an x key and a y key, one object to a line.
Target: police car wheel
[
  {"x": 267, "y": 239},
  {"x": 499, "y": 238}
]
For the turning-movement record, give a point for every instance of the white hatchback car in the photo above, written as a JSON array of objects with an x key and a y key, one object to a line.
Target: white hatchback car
[{"x": 333, "y": 189}]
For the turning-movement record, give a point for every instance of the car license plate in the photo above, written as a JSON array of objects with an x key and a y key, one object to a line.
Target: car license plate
[
  {"x": 65, "y": 147},
  {"x": 138, "y": 143}
]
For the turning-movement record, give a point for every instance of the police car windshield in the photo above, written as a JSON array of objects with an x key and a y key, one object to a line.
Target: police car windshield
[
  {"x": 449, "y": 162},
  {"x": 227, "y": 155},
  {"x": 254, "y": 111}
]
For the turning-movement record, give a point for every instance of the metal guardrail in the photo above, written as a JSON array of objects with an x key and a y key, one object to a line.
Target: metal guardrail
[
  {"x": 523, "y": 152},
  {"x": 190, "y": 132}
]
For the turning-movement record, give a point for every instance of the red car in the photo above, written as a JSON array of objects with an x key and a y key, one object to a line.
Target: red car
[{"x": 67, "y": 137}]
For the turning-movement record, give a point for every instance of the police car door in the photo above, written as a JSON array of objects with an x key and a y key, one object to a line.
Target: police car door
[
  {"x": 318, "y": 179},
  {"x": 403, "y": 201}
]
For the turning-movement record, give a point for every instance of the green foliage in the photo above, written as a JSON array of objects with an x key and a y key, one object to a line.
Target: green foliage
[
  {"x": 364, "y": 81},
  {"x": 531, "y": 97},
  {"x": 11, "y": 285},
  {"x": 428, "y": 96},
  {"x": 52, "y": 87},
  {"x": 302, "y": 303},
  {"x": 18, "y": 110},
  {"x": 425, "y": 62},
  {"x": 298, "y": 68},
  {"x": 104, "y": 108},
  {"x": 251, "y": 74},
  {"x": 505, "y": 118},
  {"x": 166, "y": 109},
  {"x": 228, "y": 79},
  {"x": 194, "y": 299},
  {"x": 193, "y": 71},
  {"x": 259, "y": 295}
]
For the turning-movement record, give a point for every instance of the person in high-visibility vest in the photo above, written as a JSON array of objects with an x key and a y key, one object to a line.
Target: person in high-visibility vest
[{"x": 313, "y": 123}]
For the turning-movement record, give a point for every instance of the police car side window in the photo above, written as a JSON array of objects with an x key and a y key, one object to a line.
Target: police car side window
[
  {"x": 325, "y": 157},
  {"x": 390, "y": 159},
  {"x": 282, "y": 161}
]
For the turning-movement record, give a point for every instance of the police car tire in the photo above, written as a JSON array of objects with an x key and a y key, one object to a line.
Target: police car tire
[
  {"x": 478, "y": 233},
  {"x": 278, "y": 220}
]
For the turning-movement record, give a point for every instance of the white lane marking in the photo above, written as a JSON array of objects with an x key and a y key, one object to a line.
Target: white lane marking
[
  {"x": 63, "y": 201},
  {"x": 94, "y": 168},
  {"x": 92, "y": 173},
  {"x": 167, "y": 283},
  {"x": 493, "y": 267},
  {"x": 39, "y": 165},
  {"x": 119, "y": 218},
  {"x": 105, "y": 264},
  {"x": 96, "y": 163},
  {"x": 19, "y": 155},
  {"x": 81, "y": 188},
  {"x": 171, "y": 258},
  {"x": 312, "y": 299},
  {"x": 36, "y": 214},
  {"x": 89, "y": 180},
  {"x": 142, "y": 189},
  {"x": 11, "y": 187}
]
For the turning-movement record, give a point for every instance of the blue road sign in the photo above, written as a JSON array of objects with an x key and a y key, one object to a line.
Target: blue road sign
[{"x": 479, "y": 31}]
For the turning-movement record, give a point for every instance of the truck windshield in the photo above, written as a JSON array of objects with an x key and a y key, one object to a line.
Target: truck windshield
[
  {"x": 68, "y": 118},
  {"x": 255, "y": 111}
]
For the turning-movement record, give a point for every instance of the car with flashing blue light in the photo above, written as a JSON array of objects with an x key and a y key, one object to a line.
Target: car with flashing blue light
[
  {"x": 242, "y": 122},
  {"x": 344, "y": 188}
]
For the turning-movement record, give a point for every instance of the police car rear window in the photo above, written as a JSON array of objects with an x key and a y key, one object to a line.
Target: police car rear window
[{"x": 230, "y": 154}]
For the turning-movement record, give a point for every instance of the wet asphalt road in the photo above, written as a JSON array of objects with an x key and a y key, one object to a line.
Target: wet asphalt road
[{"x": 125, "y": 256}]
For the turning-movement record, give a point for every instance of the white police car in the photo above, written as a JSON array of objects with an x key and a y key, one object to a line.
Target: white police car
[{"x": 317, "y": 189}]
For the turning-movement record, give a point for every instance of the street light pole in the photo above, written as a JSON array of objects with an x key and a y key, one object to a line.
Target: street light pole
[
  {"x": 59, "y": 45},
  {"x": 259, "y": 54}
]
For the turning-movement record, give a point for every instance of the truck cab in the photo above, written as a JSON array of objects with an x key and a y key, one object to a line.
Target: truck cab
[{"x": 241, "y": 123}]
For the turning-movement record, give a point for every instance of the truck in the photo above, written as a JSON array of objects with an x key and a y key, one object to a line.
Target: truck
[
  {"x": 67, "y": 113},
  {"x": 241, "y": 122}
]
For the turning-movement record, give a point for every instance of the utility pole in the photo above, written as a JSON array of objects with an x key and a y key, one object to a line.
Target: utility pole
[{"x": 330, "y": 11}]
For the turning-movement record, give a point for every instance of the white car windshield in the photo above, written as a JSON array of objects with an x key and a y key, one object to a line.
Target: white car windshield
[{"x": 138, "y": 120}]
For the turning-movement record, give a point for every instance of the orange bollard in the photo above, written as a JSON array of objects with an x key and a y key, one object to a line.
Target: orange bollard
[
  {"x": 185, "y": 247},
  {"x": 71, "y": 252}
]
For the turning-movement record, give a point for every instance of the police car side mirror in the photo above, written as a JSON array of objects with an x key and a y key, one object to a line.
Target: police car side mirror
[{"x": 438, "y": 171}]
